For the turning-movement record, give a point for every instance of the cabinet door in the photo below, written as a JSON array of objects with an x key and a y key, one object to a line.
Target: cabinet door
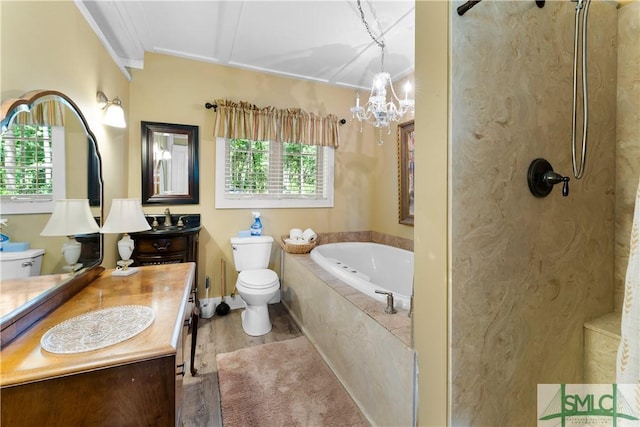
[{"x": 137, "y": 394}]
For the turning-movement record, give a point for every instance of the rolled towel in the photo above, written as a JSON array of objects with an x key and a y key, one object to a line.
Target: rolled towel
[
  {"x": 309, "y": 235},
  {"x": 295, "y": 234},
  {"x": 295, "y": 242}
]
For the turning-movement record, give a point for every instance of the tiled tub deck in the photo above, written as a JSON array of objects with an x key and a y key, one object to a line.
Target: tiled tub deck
[{"x": 369, "y": 350}]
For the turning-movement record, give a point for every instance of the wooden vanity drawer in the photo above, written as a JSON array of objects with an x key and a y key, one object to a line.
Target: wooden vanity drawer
[
  {"x": 159, "y": 259},
  {"x": 167, "y": 246}
]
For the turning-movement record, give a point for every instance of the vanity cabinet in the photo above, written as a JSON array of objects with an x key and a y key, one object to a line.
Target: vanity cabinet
[
  {"x": 160, "y": 246},
  {"x": 135, "y": 382},
  {"x": 166, "y": 247}
]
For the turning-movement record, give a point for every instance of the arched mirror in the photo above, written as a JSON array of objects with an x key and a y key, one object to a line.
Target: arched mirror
[
  {"x": 48, "y": 153},
  {"x": 169, "y": 163}
]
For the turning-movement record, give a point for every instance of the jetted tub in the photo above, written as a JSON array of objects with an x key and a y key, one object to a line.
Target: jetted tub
[{"x": 368, "y": 267}]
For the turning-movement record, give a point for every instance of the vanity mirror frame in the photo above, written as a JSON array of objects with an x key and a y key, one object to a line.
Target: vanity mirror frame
[
  {"x": 147, "y": 130},
  {"x": 17, "y": 321}
]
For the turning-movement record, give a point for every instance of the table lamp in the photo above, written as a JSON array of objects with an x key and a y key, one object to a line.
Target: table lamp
[
  {"x": 71, "y": 217},
  {"x": 125, "y": 216}
]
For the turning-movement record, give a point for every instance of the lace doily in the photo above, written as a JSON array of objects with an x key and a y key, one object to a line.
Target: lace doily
[{"x": 97, "y": 329}]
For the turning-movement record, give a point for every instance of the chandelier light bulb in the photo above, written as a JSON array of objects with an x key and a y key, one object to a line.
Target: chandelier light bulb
[{"x": 407, "y": 89}]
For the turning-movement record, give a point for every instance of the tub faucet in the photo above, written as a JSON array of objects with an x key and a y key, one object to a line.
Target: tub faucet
[
  {"x": 167, "y": 218},
  {"x": 389, "y": 309}
]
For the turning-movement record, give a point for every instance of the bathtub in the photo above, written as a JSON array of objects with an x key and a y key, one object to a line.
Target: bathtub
[{"x": 368, "y": 267}]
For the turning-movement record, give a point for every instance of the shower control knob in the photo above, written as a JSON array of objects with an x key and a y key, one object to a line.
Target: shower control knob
[
  {"x": 541, "y": 179},
  {"x": 552, "y": 178}
]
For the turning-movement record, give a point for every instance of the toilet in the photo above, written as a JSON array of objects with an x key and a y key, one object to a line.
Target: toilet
[
  {"x": 256, "y": 284},
  {"x": 17, "y": 265}
]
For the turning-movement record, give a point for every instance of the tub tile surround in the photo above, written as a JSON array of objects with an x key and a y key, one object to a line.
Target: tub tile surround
[
  {"x": 369, "y": 350},
  {"x": 399, "y": 324},
  {"x": 366, "y": 236}
]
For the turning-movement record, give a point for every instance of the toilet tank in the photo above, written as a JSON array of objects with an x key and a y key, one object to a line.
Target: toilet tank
[
  {"x": 251, "y": 253},
  {"x": 16, "y": 265}
]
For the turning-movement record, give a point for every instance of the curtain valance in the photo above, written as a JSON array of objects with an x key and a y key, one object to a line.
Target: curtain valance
[
  {"x": 243, "y": 120},
  {"x": 46, "y": 113}
]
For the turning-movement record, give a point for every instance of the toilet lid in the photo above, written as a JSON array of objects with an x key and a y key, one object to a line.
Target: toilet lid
[{"x": 258, "y": 279}]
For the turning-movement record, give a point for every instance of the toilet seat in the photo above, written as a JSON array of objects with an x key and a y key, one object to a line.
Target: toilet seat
[{"x": 258, "y": 279}]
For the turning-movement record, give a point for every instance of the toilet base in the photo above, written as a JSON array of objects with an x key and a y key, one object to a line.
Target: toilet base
[{"x": 255, "y": 320}]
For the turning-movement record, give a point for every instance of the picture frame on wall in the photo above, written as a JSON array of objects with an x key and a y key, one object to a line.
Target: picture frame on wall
[{"x": 406, "y": 172}]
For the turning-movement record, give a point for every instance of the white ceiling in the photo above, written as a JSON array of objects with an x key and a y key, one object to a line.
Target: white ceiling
[{"x": 323, "y": 41}]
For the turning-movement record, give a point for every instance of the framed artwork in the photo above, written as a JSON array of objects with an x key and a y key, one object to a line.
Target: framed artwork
[{"x": 406, "y": 172}]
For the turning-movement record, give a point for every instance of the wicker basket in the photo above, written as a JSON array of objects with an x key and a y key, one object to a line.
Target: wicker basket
[{"x": 297, "y": 249}]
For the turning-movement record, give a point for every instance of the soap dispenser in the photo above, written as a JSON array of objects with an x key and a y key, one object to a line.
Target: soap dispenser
[
  {"x": 256, "y": 227},
  {"x": 3, "y": 237}
]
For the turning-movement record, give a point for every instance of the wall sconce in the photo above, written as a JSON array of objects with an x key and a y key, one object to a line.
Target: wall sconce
[
  {"x": 71, "y": 217},
  {"x": 125, "y": 216},
  {"x": 114, "y": 113}
]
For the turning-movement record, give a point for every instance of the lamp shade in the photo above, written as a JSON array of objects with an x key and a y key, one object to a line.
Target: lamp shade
[
  {"x": 125, "y": 216},
  {"x": 114, "y": 115},
  {"x": 70, "y": 217}
]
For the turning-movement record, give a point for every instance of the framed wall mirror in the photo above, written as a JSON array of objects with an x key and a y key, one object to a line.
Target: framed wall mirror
[
  {"x": 406, "y": 172},
  {"x": 45, "y": 128},
  {"x": 169, "y": 164}
]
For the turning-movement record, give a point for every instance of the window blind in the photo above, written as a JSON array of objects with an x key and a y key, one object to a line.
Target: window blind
[
  {"x": 274, "y": 170},
  {"x": 26, "y": 156}
]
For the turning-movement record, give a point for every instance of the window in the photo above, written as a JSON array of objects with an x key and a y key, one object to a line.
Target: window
[
  {"x": 267, "y": 174},
  {"x": 32, "y": 176}
]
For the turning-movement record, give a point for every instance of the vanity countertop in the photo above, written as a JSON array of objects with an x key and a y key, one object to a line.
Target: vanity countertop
[
  {"x": 18, "y": 292},
  {"x": 164, "y": 288}
]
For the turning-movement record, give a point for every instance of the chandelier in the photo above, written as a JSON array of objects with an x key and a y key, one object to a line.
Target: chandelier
[{"x": 377, "y": 110}]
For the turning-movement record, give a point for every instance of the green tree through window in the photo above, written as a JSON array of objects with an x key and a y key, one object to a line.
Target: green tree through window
[
  {"x": 26, "y": 161},
  {"x": 261, "y": 167}
]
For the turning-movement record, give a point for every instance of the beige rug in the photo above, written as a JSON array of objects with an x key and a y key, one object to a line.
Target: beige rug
[{"x": 284, "y": 383}]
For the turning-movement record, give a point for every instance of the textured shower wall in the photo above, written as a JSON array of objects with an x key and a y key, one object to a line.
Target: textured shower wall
[
  {"x": 526, "y": 272},
  {"x": 627, "y": 138}
]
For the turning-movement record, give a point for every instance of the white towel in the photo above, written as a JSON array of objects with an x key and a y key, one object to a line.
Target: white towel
[
  {"x": 295, "y": 234},
  {"x": 309, "y": 235},
  {"x": 295, "y": 241}
]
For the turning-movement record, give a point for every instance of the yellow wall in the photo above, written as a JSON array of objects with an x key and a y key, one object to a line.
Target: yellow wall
[
  {"x": 431, "y": 316},
  {"x": 48, "y": 45},
  {"x": 174, "y": 90},
  {"x": 384, "y": 214}
]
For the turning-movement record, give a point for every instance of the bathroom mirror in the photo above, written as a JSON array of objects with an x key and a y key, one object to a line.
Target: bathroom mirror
[
  {"x": 82, "y": 180},
  {"x": 169, "y": 163}
]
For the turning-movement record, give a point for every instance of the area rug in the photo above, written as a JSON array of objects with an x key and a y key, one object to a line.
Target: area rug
[{"x": 284, "y": 383}]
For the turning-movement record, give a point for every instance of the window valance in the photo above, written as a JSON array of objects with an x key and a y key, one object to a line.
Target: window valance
[
  {"x": 243, "y": 120},
  {"x": 46, "y": 113}
]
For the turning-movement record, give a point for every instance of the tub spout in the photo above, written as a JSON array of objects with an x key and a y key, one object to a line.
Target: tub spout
[{"x": 390, "y": 309}]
